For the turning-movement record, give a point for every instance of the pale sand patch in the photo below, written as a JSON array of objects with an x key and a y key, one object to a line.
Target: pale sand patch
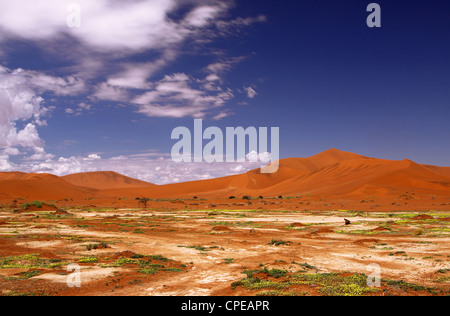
[
  {"x": 40, "y": 244},
  {"x": 87, "y": 275}
]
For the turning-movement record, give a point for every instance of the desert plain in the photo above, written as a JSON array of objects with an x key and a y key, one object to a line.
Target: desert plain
[{"x": 333, "y": 224}]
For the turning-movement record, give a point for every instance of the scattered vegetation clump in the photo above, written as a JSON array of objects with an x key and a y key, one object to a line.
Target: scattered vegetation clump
[
  {"x": 307, "y": 266},
  {"x": 91, "y": 259},
  {"x": 26, "y": 275},
  {"x": 148, "y": 271},
  {"x": 199, "y": 248},
  {"x": 255, "y": 283},
  {"x": 142, "y": 202},
  {"x": 159, "y": 258},
  {"x": 145, "y": 264},
  {"x": 36, "y": 204},
  {"x": 102, "y": 245},
  {"x": 407, "y": 286},
  {"x": 275, "y": 273},
  {"x": 31, "y": 261},
  {"x": 275, "y": 242},
  {"x": 334, "y": 284},
  {"x": 328, "y": 284},
  {"x": 443, "y": 279}
]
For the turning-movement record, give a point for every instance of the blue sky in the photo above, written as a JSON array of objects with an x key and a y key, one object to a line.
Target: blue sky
[{"x": 107, "y": 95}]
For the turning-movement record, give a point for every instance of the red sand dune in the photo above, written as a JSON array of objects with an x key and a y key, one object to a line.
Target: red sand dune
[
  {"x": 105, "y": 180},
  {"x": 333, "y": 174},
  {"x": 34, "y": 186}
]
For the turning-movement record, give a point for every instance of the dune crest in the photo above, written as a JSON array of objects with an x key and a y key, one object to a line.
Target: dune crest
[
  {"x": 332, "y": 173},
  {"x": 104, "y": 180}
]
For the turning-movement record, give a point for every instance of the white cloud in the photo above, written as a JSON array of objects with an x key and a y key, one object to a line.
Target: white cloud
[
  {"x": 152, "y": 167},
  {"x": 176, "y": 96},
  {"x": 255, "y": 156},
  {"x": 12, "y": 151},
  {"x": 221, "y": 115},
  {"x": 4, "y": 163},
  {"x": 240, "y": 22},
  {"x": 20, "y": 101},
  {"x": 104, "y": 91},
  {"x": 237, "y": 169},
  {"x": 111, "y": 31},
  {"x": 79, "y": 110},
  {"x": 136, "y": 75},
  {"x": 113, "y": 27},
  {"x": 93, "y": 157},
  {"x": 201, "y": 16},
  {"x": 251, "y": 93},
  {"x": 106, "y": 24}
]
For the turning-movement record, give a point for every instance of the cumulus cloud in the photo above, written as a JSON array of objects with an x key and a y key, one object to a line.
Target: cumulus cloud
[
  {"x": 251, "y": 93},
  {"x": 97, "y": 57},
  {"x": 113, "y": 27},
  {"x": 21, "y": 102},
  {"x": 112, "y": 30},
  {"x": 152, "y": 167},
  {"x": 255, "y": 156},
  {"x": 4, "y": 163},
  {"x": 176, "y": 96},
  {"x": 79, "y": 110},
  {"x": 106, "y": 24}
]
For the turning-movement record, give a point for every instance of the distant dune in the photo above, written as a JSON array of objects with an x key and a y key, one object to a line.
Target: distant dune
[
  {"x": 105, "y": 181},
  {"x": 15, "y": 185},
  {"x": 331, "y": 174}
]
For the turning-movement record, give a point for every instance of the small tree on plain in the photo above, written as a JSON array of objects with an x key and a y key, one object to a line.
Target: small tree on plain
[{"x": 144, "y": 201}]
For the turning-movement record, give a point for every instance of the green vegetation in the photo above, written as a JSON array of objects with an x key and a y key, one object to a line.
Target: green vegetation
[
  {"x": 88, "y": 260},
  {"x": 199, "y": 248},
  {"x": 172, "y": 269},
  {"x": 145, "y": 264},
  {"x": 26, "y": 275},
  {"x": 334, "y": 284},
  {"x": 148, "y": 271},
  {"x": 143, "y": 202},
  {"x": 407, "y": 286},
  {"x": 101, "y": 245},
  {"x": 159, "y": 258},
  {"x": 275, "y": 242},
  {"x": 31, "y": 261},
  {"x": 443, "y": 279},
  {"x": 306, "y": 265},
  {"x": 328, "y": 284},
  {"x": 37, "y": 204}
]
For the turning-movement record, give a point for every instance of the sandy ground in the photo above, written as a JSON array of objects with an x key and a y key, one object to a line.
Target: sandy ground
[{"x": 166, "y": 251}]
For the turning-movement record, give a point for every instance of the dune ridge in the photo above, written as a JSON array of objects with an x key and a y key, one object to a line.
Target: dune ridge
[
  {"x": 104, "y": 180},
  {"x": 332, "y": 173}
]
